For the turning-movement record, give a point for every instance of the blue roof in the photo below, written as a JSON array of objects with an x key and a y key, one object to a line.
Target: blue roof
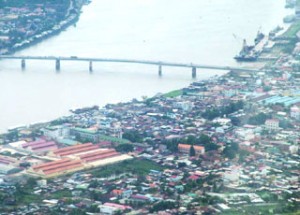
[{"x": 285, "y": 100}]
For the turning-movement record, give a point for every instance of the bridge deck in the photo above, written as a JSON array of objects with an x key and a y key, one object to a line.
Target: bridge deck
[{"x": 133, "y": 61}]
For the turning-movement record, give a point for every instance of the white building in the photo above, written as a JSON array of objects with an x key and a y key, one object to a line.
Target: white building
[
  {"x": 272, "y": 124},
  {"x": 112, "y": 208},
  {"x": 232, "y": 177},
  {"x": 108, "y": 209},
  {"x": 185, "y": 105},
  {"x": 295, "y": 112},
  {"x": 57, "y": 132},
  {"x": 245, "y": 134}
]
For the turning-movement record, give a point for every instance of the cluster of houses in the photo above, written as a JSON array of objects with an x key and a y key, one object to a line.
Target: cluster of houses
[{"x": 259, "y": 112}]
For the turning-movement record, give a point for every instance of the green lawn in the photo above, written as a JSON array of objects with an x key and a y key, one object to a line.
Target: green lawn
[
  {"x": 293, "y": 29},
  {"x": 27, "y": 198},
  {"x": 250, "y": 210},
  {"x": 294, "y": 213},
  {"x": 135, "y": 166},
  {"x": 61, "y": 194},
  {"x": 258, "y": 209},
  {"x": 173, "y": 93}
]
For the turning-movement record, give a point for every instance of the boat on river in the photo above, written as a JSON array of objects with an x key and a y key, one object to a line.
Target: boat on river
[{"x": 247, "y": 53}]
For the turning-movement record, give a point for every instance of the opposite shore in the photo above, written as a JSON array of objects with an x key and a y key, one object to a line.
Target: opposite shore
[{"x": 27, "y": 24}]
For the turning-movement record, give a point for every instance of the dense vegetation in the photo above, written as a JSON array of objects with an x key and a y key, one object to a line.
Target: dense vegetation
[
  {"x": 22, "y": 3},
  {"x": 124, "y": 148},
  {"x": 174, "y": 93},
  {"x": 258, "y": 119},
  {"x": 220, "y": 112},
  {"x": 293, "y": 29},
  {"x": 135, "y": 166},
  {"x": 163, "y": 205},
  {"x": 133, "y": 135}
]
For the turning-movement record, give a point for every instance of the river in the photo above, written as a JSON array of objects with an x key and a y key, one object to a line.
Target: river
[{"x": 198, "y": 31}]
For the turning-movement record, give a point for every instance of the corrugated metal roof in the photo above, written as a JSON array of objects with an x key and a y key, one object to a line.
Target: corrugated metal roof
[
  {"x": 77, "y": 151},
  {"x": 58, "y": 151}
]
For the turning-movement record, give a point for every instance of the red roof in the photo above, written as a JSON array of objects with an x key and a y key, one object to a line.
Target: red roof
[
  {"x": 72, "y": 147},
  {"x": 186, "y": 146},
  {"x": 33, "y": 143},
  {"x": 42, "y": 145},
  {"x": 47, "y": 148},
  {"x": 6, "y": 160},
  {"x": 58, "y": 166},
  {"x": 100, "y": 155},
  {"x": 96, "y": 153},
  {"x": 71, "y": 150},
  {"x": 40, "y": 166},
  {"x": 122, "y": 207},
  {"x": 194, "y": 177},
  {"x": 70, "y": 166}
]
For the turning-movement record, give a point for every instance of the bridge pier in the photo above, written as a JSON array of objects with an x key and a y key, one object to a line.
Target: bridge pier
[
  {"x": 57, "y": 65},
  {"x": 23, "y": 64},
  {"x": 194, "y": 72},
  {"x": 91, "y": 66},
  {"x": 159, "y": 70}
]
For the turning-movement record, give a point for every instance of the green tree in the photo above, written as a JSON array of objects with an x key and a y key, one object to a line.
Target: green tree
[
  {"x": 231, "y": 150},
  {"x": 162, "y": 206},
  {"x": 211, "y": 147},
  {"x": 124, "y": 148},
  {"x": 31, "y": 182},
  {"x": 133, "y": 136},
  {"x": 204, "y": 139},
  {"x": 172, "y": 145},
  {"x": 191, "y": 140},
  {"x": 181, "y": 164},
  {"x": 12, "y": 136},
  {"x": 192, "y": 151},
  {"x": 94, "y": 184},
  {"x": 258, "y": 119},
  {"x": 235, "y": 121}
]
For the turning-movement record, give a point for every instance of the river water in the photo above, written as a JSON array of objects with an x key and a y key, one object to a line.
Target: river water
[{"x": 198, "y": 31}]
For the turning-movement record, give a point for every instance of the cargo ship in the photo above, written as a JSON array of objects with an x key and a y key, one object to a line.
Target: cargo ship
[
  {"x": 85, "y": 109},
  {"x": 247, "y": 53},
  {"x": 251, "y": 53}
]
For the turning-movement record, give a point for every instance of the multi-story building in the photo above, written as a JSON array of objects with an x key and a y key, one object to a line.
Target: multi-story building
[
  {"x": 295, "y": 112},
  {"x": 272, "y": 124}
]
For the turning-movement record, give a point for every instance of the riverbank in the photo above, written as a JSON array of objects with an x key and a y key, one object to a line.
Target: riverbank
[
  {"x": 15, "y": 36},
  {"x": 86, "y": 41},
  {"x": 171, "y": 94}
]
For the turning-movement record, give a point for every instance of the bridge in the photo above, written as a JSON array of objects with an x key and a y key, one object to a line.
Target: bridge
[{"x": 160, "y": 64}]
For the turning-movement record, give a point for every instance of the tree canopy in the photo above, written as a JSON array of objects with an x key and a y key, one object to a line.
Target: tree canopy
[
  {"x": 124, "y": 148},
  {"x": 192, "y": 151},
  {"x": 133, "y": 136}
]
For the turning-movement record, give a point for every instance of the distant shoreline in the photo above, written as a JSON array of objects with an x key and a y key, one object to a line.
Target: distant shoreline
[
  {"x": 57, "y": 29},
  {"x": 34, "y": 40}
]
